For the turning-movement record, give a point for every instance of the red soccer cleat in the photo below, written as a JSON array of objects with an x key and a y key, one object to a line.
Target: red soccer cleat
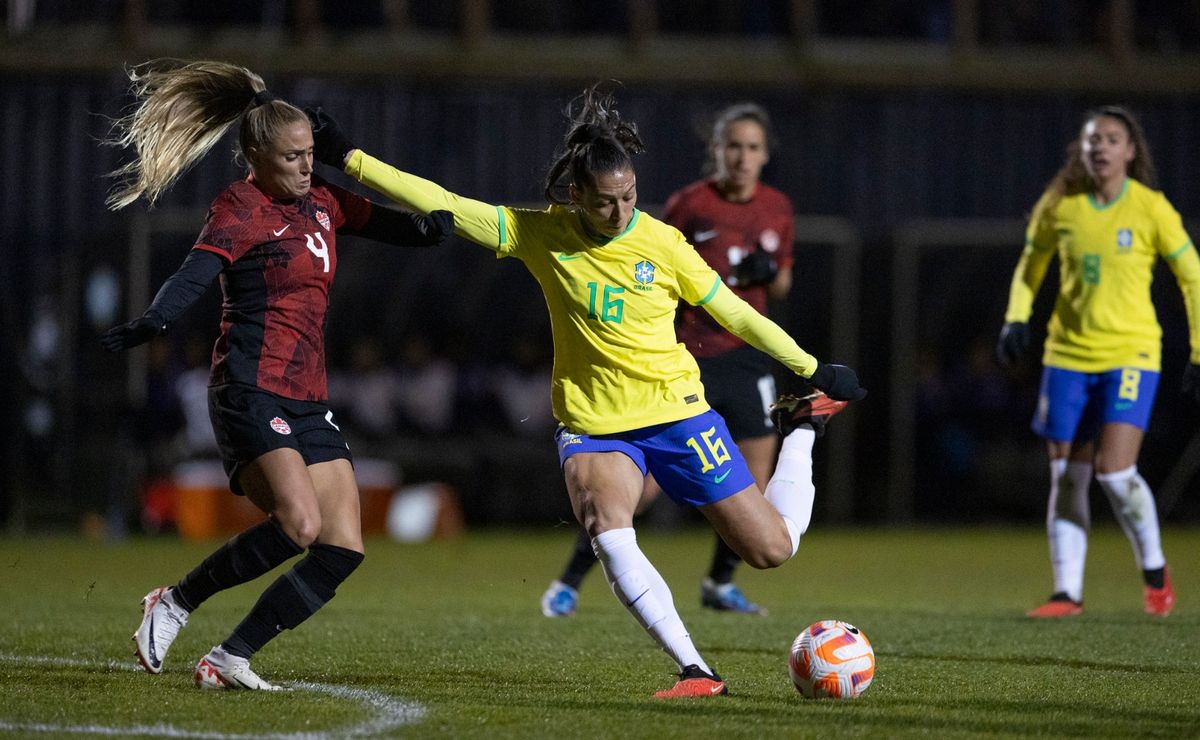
[
  {"x": 1160, "y": 601},
  {"x": 814, "y": 409},
  {"x": 694, "y": 682},
  {"x": 1059, "y": 605}
]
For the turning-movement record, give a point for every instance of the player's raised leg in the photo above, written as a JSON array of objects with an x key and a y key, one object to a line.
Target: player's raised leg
[{"x": 765, "y": 528}]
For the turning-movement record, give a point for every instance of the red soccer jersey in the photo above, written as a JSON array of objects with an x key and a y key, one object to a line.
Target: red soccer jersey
[
  {"x": 724, "y": 232},
  {"x": 281, "y": 257}
]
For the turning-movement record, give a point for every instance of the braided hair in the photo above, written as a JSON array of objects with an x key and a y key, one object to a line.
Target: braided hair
[{"x": 597, "y": 141}]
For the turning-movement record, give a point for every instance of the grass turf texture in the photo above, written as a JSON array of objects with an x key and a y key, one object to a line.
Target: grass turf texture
[{"x": 455, "y": 628}]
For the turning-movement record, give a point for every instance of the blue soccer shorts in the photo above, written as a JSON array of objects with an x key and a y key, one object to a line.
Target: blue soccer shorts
[
  {"x": 1072, "y": 406},
  {"x": 694, "y": 460}
]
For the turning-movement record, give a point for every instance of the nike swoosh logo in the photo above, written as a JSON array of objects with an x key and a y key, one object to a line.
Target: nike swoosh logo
[
  {"x": 154, "y": 661},
  {"x": 722, "y": 476},
  {"x": 568, "y": 257},
  {"x": 703, "y": 236},
  {"x": 716, "y": 689},
  {"x": 280, "y": 232}
]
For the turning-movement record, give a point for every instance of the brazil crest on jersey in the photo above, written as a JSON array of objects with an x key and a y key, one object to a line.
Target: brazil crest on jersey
[
  {"x": 1103, "y": 316},
  {"x": 617, "y": 363}
]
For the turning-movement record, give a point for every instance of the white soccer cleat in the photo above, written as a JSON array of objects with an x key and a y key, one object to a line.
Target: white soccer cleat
[
  {"x": 220, "y": 670},
  {"x": 161, "y": 622}
]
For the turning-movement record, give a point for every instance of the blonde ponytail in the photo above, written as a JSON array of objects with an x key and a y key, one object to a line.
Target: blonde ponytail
[{"x": 181, "y": 111}]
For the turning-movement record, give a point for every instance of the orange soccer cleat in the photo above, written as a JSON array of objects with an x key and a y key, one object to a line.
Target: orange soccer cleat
[
  {"x": 694, "y": 682},
  {"x": 1059, "y": 605},
  {"x": 1160, "y": 601}
]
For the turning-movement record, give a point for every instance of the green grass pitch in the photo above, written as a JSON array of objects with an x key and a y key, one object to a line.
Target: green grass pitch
[{"x": 446, "y": 640}]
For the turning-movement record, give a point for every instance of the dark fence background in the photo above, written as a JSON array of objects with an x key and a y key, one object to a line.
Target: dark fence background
[{"x": 944, "y": 116}]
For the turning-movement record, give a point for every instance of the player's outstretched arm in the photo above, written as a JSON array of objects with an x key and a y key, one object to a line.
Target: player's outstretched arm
[
  {"x": 180, "y": 290},
  {"x": 739, "y": 318},
  {"x": 473, "y": 219},
  {"x": 405, "y": 228},
  {"x": 477, "y": 221}
]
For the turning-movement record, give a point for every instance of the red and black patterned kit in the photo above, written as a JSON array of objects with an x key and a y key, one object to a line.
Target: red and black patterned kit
[{"x": 282, "y": 258}]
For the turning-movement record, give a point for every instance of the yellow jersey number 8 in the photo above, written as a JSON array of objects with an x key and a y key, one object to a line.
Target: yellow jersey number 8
[{"x": 1130, "y": 380}]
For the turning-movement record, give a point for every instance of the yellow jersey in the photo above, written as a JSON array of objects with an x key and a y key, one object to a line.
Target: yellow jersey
[
  {"x": 1103, "y": 317},
  {"x": 617, "y": 363}
]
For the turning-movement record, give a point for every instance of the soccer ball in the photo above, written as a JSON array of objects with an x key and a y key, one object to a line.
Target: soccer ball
[{"x": 831, "y": 659}]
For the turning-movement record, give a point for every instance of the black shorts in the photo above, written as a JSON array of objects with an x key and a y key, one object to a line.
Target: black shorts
[
  {"x": 740, "y": 387},
  {"x": 250, "y": 422}
]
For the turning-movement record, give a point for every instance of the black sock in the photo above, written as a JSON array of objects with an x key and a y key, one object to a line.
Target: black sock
[
  {"x": 1153, "y": 578},
  {"x": 293, "y": 597},
  {"x": 723, "y": 562},
  {"x": 243, "y": 558},
  {"x": 582, "y": 560}
]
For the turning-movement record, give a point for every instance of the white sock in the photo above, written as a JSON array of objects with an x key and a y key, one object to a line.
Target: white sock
[
  {"x": 642, "y": 591},
  {"x": 1133, "y": 504},
  {"x": 1068, "y": 519},
  {"x": 791, "y": 489}
]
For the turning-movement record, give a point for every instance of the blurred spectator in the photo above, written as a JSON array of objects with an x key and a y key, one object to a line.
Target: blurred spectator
[
  {"x": 38, "y": 363},
  {"x": 966, "y": 408},
  {"x": 426, "y": 394},
  {"x": 368, "y": 392},
  {"x": 196, "y": 439},
  {"x": 522, "y": 389},
  {"x": 160, "y": 416}
]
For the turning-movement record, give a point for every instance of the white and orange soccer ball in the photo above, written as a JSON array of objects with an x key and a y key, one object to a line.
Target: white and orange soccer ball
[{"x": 831, "y": 659}]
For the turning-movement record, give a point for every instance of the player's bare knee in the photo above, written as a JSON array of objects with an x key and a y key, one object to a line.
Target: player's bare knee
[
  {"x": 779, "y": 554},
  {"x": 767, "y": 554},
  {"x": 762, "y": 560},
  {"x": 597, "y": 520},
  {"x": 301, "y": 525},
  {"x": 1070, "y": 506}
]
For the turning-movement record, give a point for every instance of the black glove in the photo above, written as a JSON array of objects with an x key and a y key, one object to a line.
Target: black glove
[
  {"x": 1191, "y": 383},
  {"x": 138, "y": 331},
  {"x": 330, "y": 144},
  {"x": 756, "y": 268},
  {"x": 438, "y": 225},
  {"x": 1013, "y": 343},
  {"x": 838, "y": 382}
]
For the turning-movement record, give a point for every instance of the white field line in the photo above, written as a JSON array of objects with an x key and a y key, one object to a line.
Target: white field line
[{"x": 388, "y": 713}]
